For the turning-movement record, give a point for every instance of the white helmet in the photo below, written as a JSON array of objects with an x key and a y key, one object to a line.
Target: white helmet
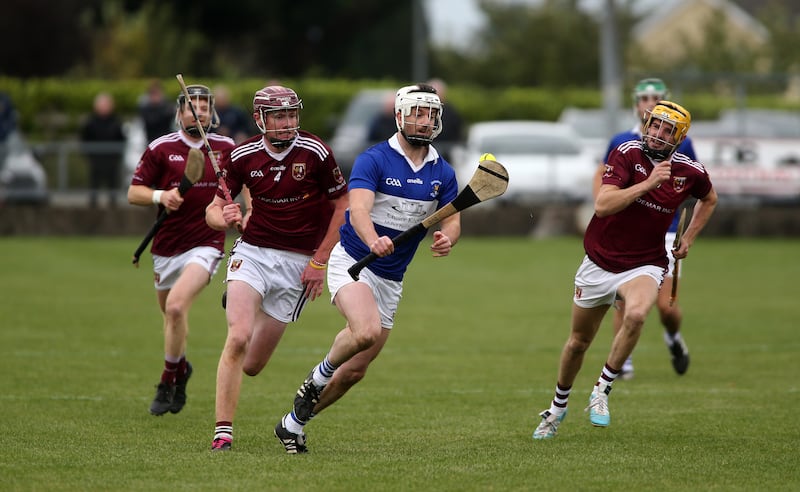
[{"x": 409, "y": 99}]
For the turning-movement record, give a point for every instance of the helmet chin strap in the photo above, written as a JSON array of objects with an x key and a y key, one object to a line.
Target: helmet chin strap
[
  {"x": 193, "y": 131},
  {"x": 279, "y": 143},
  {"x": 415, "y": 140}
]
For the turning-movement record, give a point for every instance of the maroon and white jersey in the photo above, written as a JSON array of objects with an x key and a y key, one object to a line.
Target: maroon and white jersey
[
  {"x": 291, "y": 191},
  {"x": 634, "y": 236},
  {"x": 161, "y": 167}
]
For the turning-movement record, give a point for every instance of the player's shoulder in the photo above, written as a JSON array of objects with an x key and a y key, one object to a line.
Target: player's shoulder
[
  {"x": 629, "y": 146},
  {"x": 248, "y": 147},
  {"x": 684, "y": 160},
  {"x": 220, "y": 140},
  {"x": 167, "y": 140},
  {"x": 312, "y": 143}
]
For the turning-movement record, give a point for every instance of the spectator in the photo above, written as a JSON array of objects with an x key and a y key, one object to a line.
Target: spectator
[
  {"x": 8, "y": 116},
  {"x": 103, "y": 132},
  {"x": 157, "y": 113},
  {"x": 384, "y": 124},
  {"x": 8, "y": 123},
  {"x": 234, "y": 122}
]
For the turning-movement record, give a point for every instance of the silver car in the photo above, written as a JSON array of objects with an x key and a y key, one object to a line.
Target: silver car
[{"x": 545, "y": 160}]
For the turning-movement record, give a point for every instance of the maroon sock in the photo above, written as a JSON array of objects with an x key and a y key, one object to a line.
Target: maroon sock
[
  {"x": 181, "y": 372},
  {"x": 170, "y": 372}
]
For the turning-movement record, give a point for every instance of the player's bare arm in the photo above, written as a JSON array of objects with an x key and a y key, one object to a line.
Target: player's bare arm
[
  {"x": 221, "y": 215},
  {"x": 361, "y": 201},
  {"x": 611, "y": 199},
  {"x": 447, "y": 237},
  {"x": 144, "y": 195}
]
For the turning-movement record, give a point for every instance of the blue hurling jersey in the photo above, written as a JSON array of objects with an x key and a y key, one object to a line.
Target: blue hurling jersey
[
  {"x": 404, "y": 197},
  {"x": 685, "y": 147}
]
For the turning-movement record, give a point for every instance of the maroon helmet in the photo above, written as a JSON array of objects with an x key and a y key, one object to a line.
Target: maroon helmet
[{"x": 277, "y": 98}]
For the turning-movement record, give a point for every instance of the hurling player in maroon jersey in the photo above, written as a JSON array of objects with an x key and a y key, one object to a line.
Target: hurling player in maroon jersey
[
  {"x": 186, "y": 252},
  {"x": 644, "y": 183},
  {"x": 298, "y": 197}
]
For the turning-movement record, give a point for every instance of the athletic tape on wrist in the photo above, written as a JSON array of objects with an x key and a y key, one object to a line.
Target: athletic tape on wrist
[{"x": 157, "y": 196}]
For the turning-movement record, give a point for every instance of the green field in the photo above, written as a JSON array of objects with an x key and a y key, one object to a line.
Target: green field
[{"x": 450, "y": 404}]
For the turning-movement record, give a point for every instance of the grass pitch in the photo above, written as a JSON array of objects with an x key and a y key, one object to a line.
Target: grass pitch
[{"x": 449, "y": 405}]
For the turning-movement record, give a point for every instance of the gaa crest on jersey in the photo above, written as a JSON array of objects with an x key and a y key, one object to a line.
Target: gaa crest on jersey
[
  {"x": 299, "y": 170},
  {"x": 235, "y": 264},
  {"x": 678, "y": 183}
]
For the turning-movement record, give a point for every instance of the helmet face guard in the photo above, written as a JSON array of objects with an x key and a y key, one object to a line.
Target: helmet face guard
[
  {"x": 280, "y": 103},
  {"x": 410, "y": 100},
  {"x": 196, "y": 93},
  {"x": 665, "y": 129}
]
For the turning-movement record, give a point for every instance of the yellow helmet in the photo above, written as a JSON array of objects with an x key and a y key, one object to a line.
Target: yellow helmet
[{"x": 679, "y": 120}]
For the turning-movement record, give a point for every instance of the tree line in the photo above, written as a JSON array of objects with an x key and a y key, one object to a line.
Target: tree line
[{"x": 552, "y": 45}]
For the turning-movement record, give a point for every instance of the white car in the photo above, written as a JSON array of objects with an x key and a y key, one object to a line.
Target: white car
[{"x": 545, "y": 160}]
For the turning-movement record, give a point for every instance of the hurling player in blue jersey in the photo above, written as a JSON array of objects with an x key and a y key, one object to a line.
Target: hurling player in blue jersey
[
  {"x": 393, "y": 186},
  {"x": 646, "y": 94}
]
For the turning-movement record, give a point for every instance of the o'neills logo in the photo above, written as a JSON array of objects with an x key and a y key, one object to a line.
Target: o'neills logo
[
  {"x": 299, "y": 170},
  {"x": 235, "y": 265},
  {"x": 578, "y": 292},
  {"x": 157, "y": 278}
]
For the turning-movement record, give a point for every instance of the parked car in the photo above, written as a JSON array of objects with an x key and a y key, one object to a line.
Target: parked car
[
  {"x": 350, "y": 136},
  {"x": 545, "y": 160},
  {"x": 594, "y": 127},
  {"x": 22, "y": 177}
]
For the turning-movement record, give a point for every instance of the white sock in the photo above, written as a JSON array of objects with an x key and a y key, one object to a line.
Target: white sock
[{"x": 292, "y": 425}]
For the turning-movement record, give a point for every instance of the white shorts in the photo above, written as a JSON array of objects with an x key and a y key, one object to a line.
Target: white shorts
[
  {"x": 387, "y": 292},
  {"x": 167, "y": 269},
  {"x": 274, "y": 274},
  {"x": 596, "y": 287},
  {"x": 668, "y": 240}
]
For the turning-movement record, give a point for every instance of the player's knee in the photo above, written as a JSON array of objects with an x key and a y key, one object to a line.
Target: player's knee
[
  {"x": 578, "y": 344},
  {"x": 366, "y": 337},
  {"x": 634, "y": 318},
  {"x": 175, "y": 310},
  {"x": 236, "y": 344}
]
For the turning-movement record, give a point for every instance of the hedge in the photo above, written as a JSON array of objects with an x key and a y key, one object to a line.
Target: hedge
[{"x": 54, "y": 108}]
